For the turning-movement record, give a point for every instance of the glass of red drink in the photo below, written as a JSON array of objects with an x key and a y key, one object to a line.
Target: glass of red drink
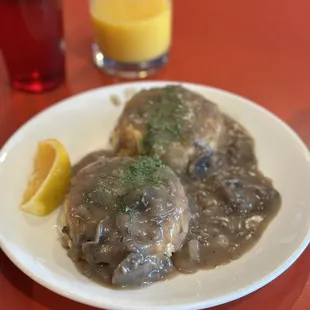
[{"x": 31, "y": 41}]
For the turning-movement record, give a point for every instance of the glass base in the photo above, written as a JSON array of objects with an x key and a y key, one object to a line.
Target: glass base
[
  {"x": 37, "y": 83},
  {"x": 127, "y": 70}
]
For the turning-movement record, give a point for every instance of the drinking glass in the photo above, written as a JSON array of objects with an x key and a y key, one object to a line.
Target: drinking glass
[
  {"x": 131, "y": 37},
  {"x": 31, "y": 40}
]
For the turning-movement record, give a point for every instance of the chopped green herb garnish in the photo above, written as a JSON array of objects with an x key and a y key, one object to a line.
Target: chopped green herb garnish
[
  {"x": 166, "y": 121},
  {"x": 125, "y": 192},
  {"x": 141, "y": 173},
  {"x": 144, "y": 171}
]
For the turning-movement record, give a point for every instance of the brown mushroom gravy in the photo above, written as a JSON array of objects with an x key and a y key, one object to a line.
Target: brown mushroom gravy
[
  {"x": 131, "y": 221},
  {"x": 231, "y": 204}
]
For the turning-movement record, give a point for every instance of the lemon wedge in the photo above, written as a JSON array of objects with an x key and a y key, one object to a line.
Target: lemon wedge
[{"x": 49, "y": 180}]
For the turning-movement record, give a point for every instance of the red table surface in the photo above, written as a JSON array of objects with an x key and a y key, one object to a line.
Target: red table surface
[{"x": 258, "y": 49}]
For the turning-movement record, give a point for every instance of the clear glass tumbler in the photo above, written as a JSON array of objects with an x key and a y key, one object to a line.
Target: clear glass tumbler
[
  {"x": 131, "y": 37},
  {"x": 31, "y": 40}
]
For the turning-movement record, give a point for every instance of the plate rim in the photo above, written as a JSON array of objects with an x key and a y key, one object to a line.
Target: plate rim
[{"x": 185, "y": 306}]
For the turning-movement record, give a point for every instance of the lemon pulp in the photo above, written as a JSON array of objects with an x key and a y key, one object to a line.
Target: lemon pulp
[{"x": 49, "y": 180}]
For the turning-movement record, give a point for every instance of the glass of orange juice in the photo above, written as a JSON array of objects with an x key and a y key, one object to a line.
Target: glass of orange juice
[{"x": 131, "y": 37}]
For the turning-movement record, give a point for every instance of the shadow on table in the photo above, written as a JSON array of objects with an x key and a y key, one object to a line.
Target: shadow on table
[{"x": 281, "y": 294}]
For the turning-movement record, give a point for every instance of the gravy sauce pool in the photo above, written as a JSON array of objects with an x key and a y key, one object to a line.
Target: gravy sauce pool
[{"x": 231, "y": 204}]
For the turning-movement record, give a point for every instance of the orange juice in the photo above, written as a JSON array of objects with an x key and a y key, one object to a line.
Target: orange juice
[{"x": 132, "y": 31}]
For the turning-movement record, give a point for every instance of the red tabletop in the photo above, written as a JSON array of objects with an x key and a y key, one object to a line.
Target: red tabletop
[{"x": 259, "y": 49}]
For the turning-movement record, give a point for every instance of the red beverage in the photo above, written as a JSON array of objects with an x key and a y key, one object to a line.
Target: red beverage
[{"x": 31, "y": 40}]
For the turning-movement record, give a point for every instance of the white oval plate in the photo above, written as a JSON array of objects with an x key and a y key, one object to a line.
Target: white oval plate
[{"x": 83, "y": 123}]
